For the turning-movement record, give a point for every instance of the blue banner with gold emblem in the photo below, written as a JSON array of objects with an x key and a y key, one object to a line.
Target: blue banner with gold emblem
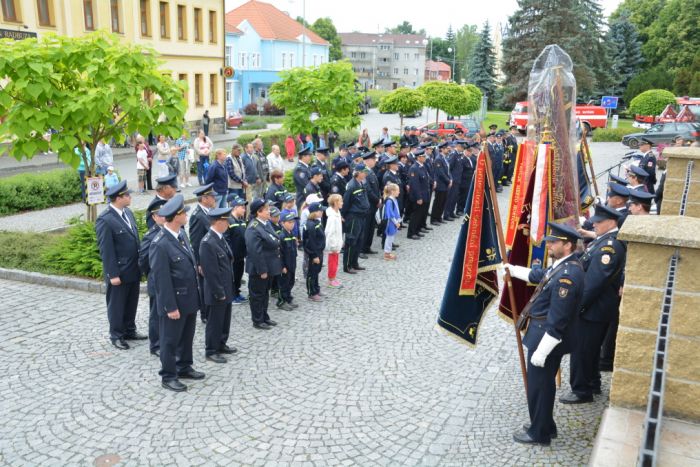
[{"x": 462, "y": 308}]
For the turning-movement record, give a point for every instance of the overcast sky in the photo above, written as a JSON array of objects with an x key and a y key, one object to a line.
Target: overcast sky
[{"x": 375, "y": 15}]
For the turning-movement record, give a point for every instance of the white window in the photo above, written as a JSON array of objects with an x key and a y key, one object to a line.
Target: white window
[
  {"x": 396, "y": 56},
  {"x": 315, "y": 59},
  {"x": 229, "y": 91},
  {"x": 396, "y": 71},
  {"x": 405, "y": 56},
  {"x": 242, "y": 62},
  {"x": 362, "y": 55},
  {"x": 229, "y": 51},
  {"x": 405, "y": 71}
]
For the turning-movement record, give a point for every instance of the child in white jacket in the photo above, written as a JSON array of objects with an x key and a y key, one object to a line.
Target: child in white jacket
[{"x": 334, "y": 237}]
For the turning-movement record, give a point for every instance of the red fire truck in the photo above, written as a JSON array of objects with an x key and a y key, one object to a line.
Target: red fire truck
[{"x": 590, "y": 116}]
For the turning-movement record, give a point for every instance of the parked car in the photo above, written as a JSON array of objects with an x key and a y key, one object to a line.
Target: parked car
[
  {"x": 446, "y": 127},
  {"x": 234, "y": 120},
  {"x": 664, "y": 133},
  {"x": 471, "y": 124},
  {"x": 415, "y": 114}
]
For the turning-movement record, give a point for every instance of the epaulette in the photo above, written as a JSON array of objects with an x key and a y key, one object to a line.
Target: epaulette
[{"x": 158, "y": 237}]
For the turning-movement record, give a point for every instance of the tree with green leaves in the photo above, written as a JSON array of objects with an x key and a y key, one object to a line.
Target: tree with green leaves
[
  {"x": 322, "y": 98},
  {"x": 450, "y": 36},
  {"x": 404, "y": 101},
  {"x": 325, "y": 28},
  {"x": 404, "y": 28},
  {"x": 687, "y": 82},
  {"x": 651, "y": 102},
  {"x": 625, "y": 52},
  {"x": 86, "y": 89},
  {"x": 437, "y": 50},
  {"x": 482, "y": 71},
  {"x": 466, "y": 40},
  {"x": 451, "y": 98},
  {"x": 655, "y": 78}
]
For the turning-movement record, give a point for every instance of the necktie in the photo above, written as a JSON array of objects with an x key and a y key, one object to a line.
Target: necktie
[{"x": 126, "y": 219}]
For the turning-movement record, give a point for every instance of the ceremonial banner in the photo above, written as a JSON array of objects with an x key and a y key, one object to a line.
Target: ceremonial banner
[
  {"x": 472, "y": 282},
  {"x": 540, "y": 194},
  {"x": 524, "y": 164}
]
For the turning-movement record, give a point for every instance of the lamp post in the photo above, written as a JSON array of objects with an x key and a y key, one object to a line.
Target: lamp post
[{"x": 454, "y": 54}]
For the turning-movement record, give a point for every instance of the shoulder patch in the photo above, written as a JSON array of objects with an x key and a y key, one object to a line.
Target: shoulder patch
[
  {"x": 608, "y": 249},
  {"x": 563, "y": 292},
  {"x": 605, "y": 259},
  {"x": 565, "y": 281}
]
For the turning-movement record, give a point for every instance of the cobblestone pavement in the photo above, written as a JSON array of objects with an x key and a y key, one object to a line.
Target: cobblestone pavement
[{"x": 360, "y": 379}]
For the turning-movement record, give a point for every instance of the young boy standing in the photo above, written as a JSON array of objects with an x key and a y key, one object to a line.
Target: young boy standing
[
  {"x": 235, "y": 236},
  {"x": 314, "y": 244},
  {"x": 288, "y": 254}
]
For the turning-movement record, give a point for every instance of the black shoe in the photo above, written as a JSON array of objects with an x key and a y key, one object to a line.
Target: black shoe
[
  {"x": 263, "y": 326},
  {"x": 174, "y": 385},
  {"x": 572, "y": 398},
  {"x": 369, "y": 251},
  {"x": 120, "y": 344},
  {"x": 269, "y": 322},
  {"x": 192, "y": 374},
  {"x": 420, "y": 235},
  {"x": 435, "y": 223},
  {"x": 359, "y": 268},
  {"x": 363, "y": 256},
  {"x": 554, "y": 435},
  {"x": 448, "y": 219},
  {"x": 414, "y": 237},
  {"x": 427, "y": 228},
  {"x": 395, "y": 246},
  {"x": 155, "y": 353},
  {"x": 216, "y": 358},
  {"x": 524, "y": 438},
  {"x": 135, "y": 337},
  {"x": 227, "y": 350},
  {"x": 349, "y": 271}
]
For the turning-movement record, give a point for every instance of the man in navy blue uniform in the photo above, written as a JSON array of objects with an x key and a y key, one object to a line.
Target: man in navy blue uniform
[
  {"x": 465, "y": 181},
  {"x": 603, "y": 262},
  {"x": 216, "y": 265},
  {"x": 235, "y": 236},
  {"x": 418, "y": 194},
  {"x": 443, "y": 183},
  {"x": 496, "y": 155},
  {"x": 455, "y": 163},
  {"x": 637, "y": 178},
  {"x": 199, "y": 224},
  {"x": 354, "y": 211},
  {"x": 174, "y": 273},
  {"x": 144, "y": 265},
  {"x": 264, "y": 263},
  {"x": 314, "y": 185},
  {"x": 338, "y": 181},
  {"x": 288, "y": 255},
  {"x": 648, "y": 163},
  {"x": 166, "y": 188},
  {"x": 374, "y": 197},
  {"x": 551, "y": 328},
  {"x": 302, "y": 175},
  {"x": 321, "y": 163},
  {"x": 118, "y": 241}
]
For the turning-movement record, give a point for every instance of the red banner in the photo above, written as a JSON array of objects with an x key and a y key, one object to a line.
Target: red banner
[
  {"x": 523, "y": 169},
  {"x": 470, "y": 270}
]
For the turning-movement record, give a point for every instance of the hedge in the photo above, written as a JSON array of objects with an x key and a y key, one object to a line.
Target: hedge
[
  {"x": 34, "y": 191},
  {"x": 25, "y": 250},
  {"x": 610, "y": 135},
  {"x": 651, "y": 102},
  {"x": 375, "y": 95}
]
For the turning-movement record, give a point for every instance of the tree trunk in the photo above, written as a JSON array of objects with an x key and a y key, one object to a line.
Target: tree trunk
[
  {"x": 437, "y": 116},
  {"x": 401, "y": 125}
]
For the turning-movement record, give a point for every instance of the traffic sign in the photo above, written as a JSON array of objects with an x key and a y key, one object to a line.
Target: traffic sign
[
  {"x": 228, "y": 71},
  {"x": 609, "y": 102}
]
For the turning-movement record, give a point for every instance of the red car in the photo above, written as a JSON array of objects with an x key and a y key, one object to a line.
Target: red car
[
  {"x": 446, "y": 127},
  {"x": 234, "y": 120}
]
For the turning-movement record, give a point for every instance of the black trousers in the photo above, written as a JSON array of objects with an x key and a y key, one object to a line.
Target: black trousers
[
  {"x": 438, "y": 206},
  {"x": 462, "y": 197},
  {"x": 424, "y": 216},
  {"x": 509, "y": 169},
  {"x": 312, "y": 287},
  {"x": 238, "y": 269},
  {"x": 451, "y": 203},
  {"x": 354, "y": 231},
  {"x": 585, "y": 376},
  {"x": 607, "y": 352},
  {"x": 259, "y": 290},
  {"x": 176, "y": 337},
  {"x": 408, "y": 210},
  {"x": 218, "y": 327},
  {"x": 286, "y": 282},
  {"x": 370, "y": 228},
  {"x": 149, "y": 177},
  {"x": 541, "y": 391},
  {"x": 153, "y": 325},
  {"x": 122, "y": 301},
  {"x": 418, "y": 215}
]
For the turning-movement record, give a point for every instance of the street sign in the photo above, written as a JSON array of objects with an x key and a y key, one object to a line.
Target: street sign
[
  {"x": 16, "y": 35},
  {"x": 94, "y": 190},
  {"x": 609, "y": 102},
  {"x": 228, "y": 71}
]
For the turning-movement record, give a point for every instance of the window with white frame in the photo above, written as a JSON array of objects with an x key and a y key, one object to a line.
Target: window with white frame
[
  {"x": 353, "y": 54},
  {"x": 229, "y": 91},
  {"x": 416, "y": 71},
  {"x": 227, "y": 55},
  {"x": 405, "y": 71},
  {"x": 396, "y": 71},
  {"x": 416, "y": 56},
  {"x": 405, "y": 56},
  {"x": 362, "y": 54},
  {"x": 396, "y": 55}
]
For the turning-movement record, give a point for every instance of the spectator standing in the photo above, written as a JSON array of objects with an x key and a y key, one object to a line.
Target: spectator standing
[
  {"x": 251, "y": 173},
  {"x": 182, "y": 144},
  {"x": 149, "y": 157},
  {"x": 111, "y": 178},
  {"x": 364, "y": 139},
  {"x": 331, "y": 138},
  {"x": 262, "y": 167},
  {"x": 81, "y": 167},
  {"x": 290, "y": 148},
  {"x": 103, "y": 157},
  {"x": 274, "y": 159},
  {"x": 163, "y": 155},
  {"x": 309, "y": 145},
  {"x": 205, "y": 123},
  {"x": 142, "y": 165},
  {"x": 219, "y": 177},
  {"x": 202, "y": 147},
  {"x": 391, "y": 217},
  {"x": 384, "y": 137},
  {"x": 334, "y": 237},
  {"x": 236, "y": 172}
]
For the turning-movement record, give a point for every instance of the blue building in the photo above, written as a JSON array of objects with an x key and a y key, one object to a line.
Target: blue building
[{"x": 261, "y": 41}]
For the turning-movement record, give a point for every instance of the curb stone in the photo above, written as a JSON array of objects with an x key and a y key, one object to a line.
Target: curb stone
[{"x": 61, "y": 282}]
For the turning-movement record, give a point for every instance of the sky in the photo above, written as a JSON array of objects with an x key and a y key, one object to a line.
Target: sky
[{"x": 376, "y": 15}]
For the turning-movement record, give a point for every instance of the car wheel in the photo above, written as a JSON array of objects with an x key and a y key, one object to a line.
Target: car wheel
[{"x": 633, "y": 143}]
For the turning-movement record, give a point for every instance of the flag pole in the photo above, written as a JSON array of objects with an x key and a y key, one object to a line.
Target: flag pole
[
  {"x": 507, "y": 278},
  {"x": 587, "y": 155}
]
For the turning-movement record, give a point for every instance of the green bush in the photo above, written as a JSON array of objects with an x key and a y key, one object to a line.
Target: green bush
[
  {"x": 375, "y": 96},
  {"x": 24, "y": 250},
  {"x": 269, "y": 138},
  {"x": 651, "y": 102},
  {"x": 289, "y": 181},
  {"x": 253, "y": 125},
  {"x": 29, "y": 192},
  {"x": 610, "y": 135},
  {"x": 347, "y": 136}
]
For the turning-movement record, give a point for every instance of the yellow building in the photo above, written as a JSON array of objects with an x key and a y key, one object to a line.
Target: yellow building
[{"x": 188, "y": 35}]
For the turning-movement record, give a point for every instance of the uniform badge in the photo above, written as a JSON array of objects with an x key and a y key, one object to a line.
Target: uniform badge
[
  {"x": 302, "y": 174},
  {"x": 565, "y": 281},
  {"x": 605, "y": 259},
  {"x": 563, "y": 292},
  {"x": 650, "y": 164},
  {"x": 334, "y": 189}
]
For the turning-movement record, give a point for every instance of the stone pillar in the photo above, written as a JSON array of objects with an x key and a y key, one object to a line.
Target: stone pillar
[
  {"x": 652, "y": 240},
  {"x": 676, "y": 170}
]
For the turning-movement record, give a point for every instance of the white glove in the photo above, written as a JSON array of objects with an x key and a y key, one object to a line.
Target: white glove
[
  {"x": 545, "y": 347},
  {"x": 519, "y": 272}
]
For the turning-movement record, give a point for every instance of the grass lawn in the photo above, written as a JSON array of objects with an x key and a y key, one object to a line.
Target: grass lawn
[
  {"x": 25, "y": 250},
  {"x": 263, "y": 118}
]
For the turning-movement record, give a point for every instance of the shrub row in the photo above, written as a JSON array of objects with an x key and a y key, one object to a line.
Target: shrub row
[
  {"x": 611, "y": 135},
  {"x": 30, "y": 192}
]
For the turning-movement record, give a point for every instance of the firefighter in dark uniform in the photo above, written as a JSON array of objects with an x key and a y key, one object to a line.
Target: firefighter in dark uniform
[
  {"x": 455, "y": 163},
  {"x": 374, "y": 197},
  {"x": 637, "y": 178},
  {"x": 616, "y": 198},
  {"x": 153, "y": 315},
  {"x": 263, "y": 246},
  {"x": 603, "y": 262},
  {"x": 511, "y": 147},
  {"x": 314, "y": 185},
  {"x": 468, "y": 163},
  {"x": 276, "y": 192},
  {"x": 648, "y": 162},
  {"x": 551, "y": 329},
  {"x": 338, "y": 182},
  {"x": 406, "y": 136},
  {"x": 354, "y": 211},
  {"x": 418, "y": 195},
  {"x": 175, "y": 276},
  {"x": 496, "y": 155},
  {"x": 166, "y": 188},
  {"x": 414, "y": 136},
  {"x": 288, "y": 255},
  {"x": 235, "y": 236},
  {"x": 321, "y": 163},
  {"x": 216, "y": 263},
  {"x": 118, "y": 241},
  {"x": 403, "y": 175},
  {"x": 443, "y": 183},
  {"x": 302, "y": 174},
  {"x": 199, "y": 225}
]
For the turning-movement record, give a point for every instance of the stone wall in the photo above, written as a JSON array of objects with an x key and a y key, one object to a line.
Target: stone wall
[{"x": 652, "y": 240}]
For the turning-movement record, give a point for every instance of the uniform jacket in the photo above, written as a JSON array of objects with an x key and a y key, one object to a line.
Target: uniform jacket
[
  {"x": 288, "y": 250},
  {"x": 199, "y": 226},
  {"x": 325, "y": 184},
  {"x": 418, "y": 183},
  {"x": 442, "y": 173},
  {"x": 263, "y": 246},
  {"x": 468, "y": 165},
  {"x": 119, "y": 245},
  {"x": 251, "y": 172},
  {"x": 372, "y": 188},
  {"x": 235, "y": 237},
  {"x": 496, "y": 152},
  {"x": 338, "y": 184},
  {"x": 355, "y": 200},
  {"x": 554, "y": 309},
  {"x": 149, "y": 219},
  {"x": 648, "y": 163},
  {"x": 302, "y": 175},
  {"x": 456, "y": 167},
  {"x": 604, "y": 263},
  {"x": 511, "y": 143},
  {"x": 393, "y": 177},
  {"x": 275, "y": 194},
  {"x": 311, "y": 188},
  {"x": 143, "y": 257},
  {"x": 217, "y": 268},
  {"x": 314, "y": 239},
  {"x": 174, "y": 273}
]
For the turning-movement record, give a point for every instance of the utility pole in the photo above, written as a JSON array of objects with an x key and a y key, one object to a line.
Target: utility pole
[{"x": 303, "y": 36}]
